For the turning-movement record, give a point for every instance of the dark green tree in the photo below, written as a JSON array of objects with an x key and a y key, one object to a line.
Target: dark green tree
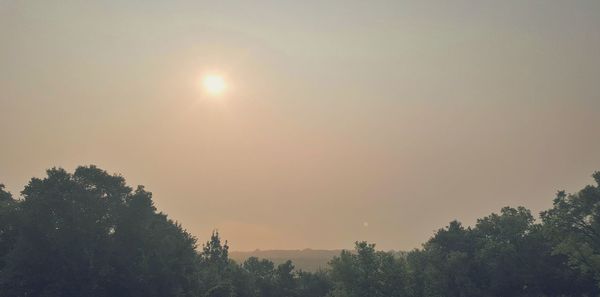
[
  {"x": 501, "y": 240},
  {"x": 151, "y": 255},
  {"x": 574, "y": 225},
  {"x": 285, "y": 280},
  {"x": 367, "y": 272},
  {"x": 89, "y": 234},
  {"x": 449, "y": 263},
  {"x": 216, "y": 267},
  {"x": 8, "y": 223},
  {"x": 504, "y": 254},
  {"x": 262, "y": 275},
  {"x": 315, "y": 284}
]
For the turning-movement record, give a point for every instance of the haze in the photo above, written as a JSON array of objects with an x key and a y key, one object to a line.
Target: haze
[{"x": 342, "y": 121}]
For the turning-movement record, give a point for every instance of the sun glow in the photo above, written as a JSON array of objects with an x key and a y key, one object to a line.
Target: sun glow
[{"x": 214, "y": 84}]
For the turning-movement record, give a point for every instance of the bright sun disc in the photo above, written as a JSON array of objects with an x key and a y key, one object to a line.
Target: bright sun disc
[{"x": 214, "y": 84}]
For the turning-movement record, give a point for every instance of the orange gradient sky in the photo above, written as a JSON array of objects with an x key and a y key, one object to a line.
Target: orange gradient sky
[{"x": 339, "y": 120}]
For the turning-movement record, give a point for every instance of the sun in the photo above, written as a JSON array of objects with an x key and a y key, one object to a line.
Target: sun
[{"x": 214, "y": 84}]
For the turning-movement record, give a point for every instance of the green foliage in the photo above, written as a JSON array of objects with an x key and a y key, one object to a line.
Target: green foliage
[
  {"x": 574, "y": 224},
  {"x": 366, "y": 272},
  {"x": 313, "y": 284},
  {"x": 8, "y": 221},
  {"x": 89, "y": 234},
  {"x": 505, "y": 254},
  {"x": 285, "y": 280},
  {"x": 221, "y": 290},
  {"x": 448, "y": 259},
  {"x": 216, "y": 269},
  {"x": 262, "y": 274},
  {"x": 5, "y": 197}
]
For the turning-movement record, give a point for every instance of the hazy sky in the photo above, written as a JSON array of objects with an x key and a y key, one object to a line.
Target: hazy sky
[{"x": 402, "y": 114}]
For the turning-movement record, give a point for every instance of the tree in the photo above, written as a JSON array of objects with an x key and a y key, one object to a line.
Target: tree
[
  {"x": 262, "y": 275},
  {"x": 89, "y": 234},
  {"x": 367, "y": 272},
  {"x": 574, "y": 224},
  {"x": 504, "y": 254},
  {"x": 216, "y": 267},
  {"x": 449, "y": 269},
  {"x": 215, "y": 253},
  {"x": 8, "y": 221},
  {"x": 501, "y": 240},
  {"x": 151, "y": 255},
  {"x": 315, "y": 284},
  {"x": 285, "y": 280}
]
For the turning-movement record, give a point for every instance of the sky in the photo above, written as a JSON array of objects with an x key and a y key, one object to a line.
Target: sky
[{"x": 341, "y": 120}]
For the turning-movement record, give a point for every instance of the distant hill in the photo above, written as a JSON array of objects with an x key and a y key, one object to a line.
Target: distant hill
[{"x": 306, "y": 260}]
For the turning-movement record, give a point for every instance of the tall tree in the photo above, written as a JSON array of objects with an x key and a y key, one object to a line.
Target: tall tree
[
  {"x": 574, "y": 224},
  {"x": 285, "y": 279},
  {"x": 89, "y": 234},
  {"x": 216, "y": 267}
]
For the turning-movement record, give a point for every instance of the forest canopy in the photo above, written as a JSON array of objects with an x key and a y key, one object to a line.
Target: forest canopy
[{"x": 88, "y": 233}]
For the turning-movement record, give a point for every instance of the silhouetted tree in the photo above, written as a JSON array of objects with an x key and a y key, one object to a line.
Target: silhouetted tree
[
  {"x": 8, "y": 222},
  {"x": 88, "y": 234},
  {"x": 367, "y": 272},
  {"x": 505, "y": 254},
  {"x": 262, "y": 274},
  {"x": 216, "y": 267},
  {"x": 574, "y": 225},
  {"x": 285, "y": 280},
  {"x": 315, "y": 284},
  {"x": 449, "y": 266}
]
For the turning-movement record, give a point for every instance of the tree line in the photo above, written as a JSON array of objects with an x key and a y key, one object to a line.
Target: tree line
[{"x": 87, "y": 233}]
